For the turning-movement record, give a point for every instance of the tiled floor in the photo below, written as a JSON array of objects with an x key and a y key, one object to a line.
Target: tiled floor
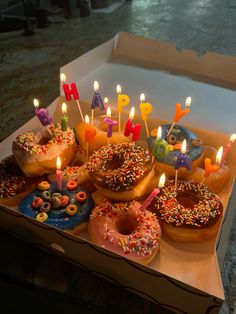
[{"x": 30, "y": 66}]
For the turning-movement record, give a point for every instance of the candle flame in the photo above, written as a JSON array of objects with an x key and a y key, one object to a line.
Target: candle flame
[
  {"x": 62, "y": 77},
  {"x": 64, "y": 108},
  {"x": 183, "y": 147},
  {"x": 36, "y": 103},
  {"x": 188, "y": 102},
  {"x": 118, "y": 89},
  {"x": 131, "y": 115},
  {"x": 219, "y": 155},
  {"x": 162, "y": 180},
  {"x": 106, "y": 100},
  {"x": 159, "y": 132},
  {"x": 87, "y": 119},
  {"x": 142, "y": 97},
  {"x": 95, "y": 86},
  {"x": 232, "y": 138},
  {"x": 58, "y": 163},
  {"x": 109, "y": 112}
]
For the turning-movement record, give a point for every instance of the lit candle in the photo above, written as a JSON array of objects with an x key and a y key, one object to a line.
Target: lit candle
[
  {"x": 179, "y": 113},
  {"x": 106, "y": 103},
  {"x": 89, "y": 133},
  {"x": 146, "y": 109},
  {"x": 130, "y": 128},
  {"x": 42, "y": 113},
  {"x": 183, "y": 161},
  {"x": 97, "y": 101},
  {"x": 59, "y": 174},
  {"x": 209, "y": 168},
  {"x": 122, "y": 100},
  {"x": 64, "y": 119},
  {"x": 160, "y": 148},
  {"x": 228, "y": 147},
  {"x": 154, "y": 193},
  {"x": 70, "y": 91},
  {"x": 110, "y": 123}
]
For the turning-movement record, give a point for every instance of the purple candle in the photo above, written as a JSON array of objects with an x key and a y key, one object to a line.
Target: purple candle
[
  {"x": 42, "y": 114},
  {"x": 110, "y": 123}
]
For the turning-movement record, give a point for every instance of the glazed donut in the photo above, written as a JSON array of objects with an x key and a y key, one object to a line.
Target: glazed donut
[
  {"x": 63, "y": 209},
  {"x": 189, "y": 214},
  {"x": 126, "y": 230},
  {"x": 167, "y": 162},
  {"x": 101, "y": 134},
  {"x": 121, "y": 171},
  {"x": 14, "y": 185},
  {"x": 36, "y": 153}
]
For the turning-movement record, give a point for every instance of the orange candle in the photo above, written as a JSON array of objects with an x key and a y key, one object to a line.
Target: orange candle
[
  {"x": 89, "y": 133},
  {"x": 209, "y": 168}
]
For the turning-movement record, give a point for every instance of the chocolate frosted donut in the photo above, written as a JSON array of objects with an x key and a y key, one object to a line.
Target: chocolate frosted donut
[{"x": 189, "y": 214}]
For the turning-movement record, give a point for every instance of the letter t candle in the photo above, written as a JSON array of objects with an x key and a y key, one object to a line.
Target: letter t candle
[{"x": 110, "y": 123}]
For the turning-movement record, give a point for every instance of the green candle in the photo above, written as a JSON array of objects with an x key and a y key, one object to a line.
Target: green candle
[
  {"x": 160, "y": 147},
  {"x": 64, "y": 119}
]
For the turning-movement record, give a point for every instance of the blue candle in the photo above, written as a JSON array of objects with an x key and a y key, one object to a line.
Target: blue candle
[{"x": 183, "y": 159}]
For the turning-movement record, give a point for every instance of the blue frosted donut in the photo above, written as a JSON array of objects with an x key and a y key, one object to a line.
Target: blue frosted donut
[
  {"x": 178, "y": 134},
  {"x": 59, "y": 217}
]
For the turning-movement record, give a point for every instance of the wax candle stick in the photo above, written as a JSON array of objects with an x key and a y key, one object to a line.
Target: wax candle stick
[
  {"x": 154, "y": 193},
  {"x": 130, "y": 128},
  {"x": 69, "y": 91},
  {"x": 89, "y": 133},
  {"x": 59, "y": 174},
  {"x": 122, "y": 100},
  {"x": 97, "y": 101},
  {"x": 179, "y": 112},
  {"x": 110, "y": 123},
  {"x": 209, "y": 168},
  {"x": 183, "y": 161},
  {"x": 160, "y": 147},
  {"x": 42, "y": 113},
  {"x": 64, "y": 119},
  {"x": 146, "y": 109},
  {"x": 227, "y": 148}
]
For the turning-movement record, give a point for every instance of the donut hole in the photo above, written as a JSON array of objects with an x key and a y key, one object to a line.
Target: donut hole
[
  {"x": 187, "y": 199},
  {"x": 125, "y": 224},
  {"x": 115, "y": 163},
  {"x": 44, "y": 139}
]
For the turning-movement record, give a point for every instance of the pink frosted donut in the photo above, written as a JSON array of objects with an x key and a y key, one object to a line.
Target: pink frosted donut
[{"x": 126, "y": 230}]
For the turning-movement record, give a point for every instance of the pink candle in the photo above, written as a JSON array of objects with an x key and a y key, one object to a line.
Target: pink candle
[
  {"x": 130, "y": 128},
  {"x": 227, "y": 148},
  {"x": 59, "y": 174}
]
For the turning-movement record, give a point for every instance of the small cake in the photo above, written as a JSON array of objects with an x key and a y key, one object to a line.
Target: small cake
[
  {"x": 68, "y": 209},
  {"x": 36, "y": 152},
  {"x": 189, "y": 214},
  {"x": 166, "y": 161},
  {"x": 126, "y": 230}
]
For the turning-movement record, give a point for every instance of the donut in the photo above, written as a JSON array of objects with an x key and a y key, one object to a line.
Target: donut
[
  {"x": 121, "y": 171},
  {"x": 14, "y": 185},
  {"x": 126, "y": 230},
  {"x": 36, "y": 152},
  {"x": 101, "y": 134},
  {"x": 63, "y": 209},
  {"x": 166, "y": 162},
  {"x": 189, "y": 214}
]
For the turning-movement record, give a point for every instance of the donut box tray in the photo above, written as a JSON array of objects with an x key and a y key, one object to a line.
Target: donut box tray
[{"x": 183, "y": 277}]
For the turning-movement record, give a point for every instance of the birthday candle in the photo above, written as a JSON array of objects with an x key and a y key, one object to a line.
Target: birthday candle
[
  {"x": 228, "y": 147},
  {"x": 42, "y": 113},
  {"x": 160, "y": 147},
  {"x": 64, "y": 119},
  {"x": 130, "y": 128},
  {"x": 122, "y": 100},
  {"x": 182, "y": 161},
  {"x": 110, "y": 123},
  {"x": 59, "y": 174},
  {"x": 146, "y": 109},
  {"x": 97, "y": 101}
]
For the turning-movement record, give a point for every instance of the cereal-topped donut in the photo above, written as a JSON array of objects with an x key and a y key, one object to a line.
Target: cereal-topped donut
[
  {"x": 125, "y": 229},
  {"x": 36, "y": 152},
  {"x": 121, "y": 171},
  {"x": 189, "y": 214},
  {"x": 165, "y": 162}
]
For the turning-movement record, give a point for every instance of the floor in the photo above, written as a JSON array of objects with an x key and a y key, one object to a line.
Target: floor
[{"x": 30, "y": 66}]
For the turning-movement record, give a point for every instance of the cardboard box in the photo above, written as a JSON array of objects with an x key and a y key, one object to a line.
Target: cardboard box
[{"x": 184, "y": 277}]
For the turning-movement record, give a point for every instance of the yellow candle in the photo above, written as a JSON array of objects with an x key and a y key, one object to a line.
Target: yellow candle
[{"x": 122, "y": 101}]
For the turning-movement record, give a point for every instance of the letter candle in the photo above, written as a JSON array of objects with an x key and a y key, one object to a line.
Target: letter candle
[
  {"x": 110, "y": 123},
  {"x": 97, "y": 101},
  {"x": 160, "y": 147},
  {"x": 227, "y": 148},
  {"x": 71, "y": 91},
  {"x": 182, "y": 161},
  {"x": 209, "y": 168},
  {"x": 42, "y": 113},
  {"x": 179, "y": 113},
  {"x": 145, "y": 109},
  {"x": 130, "y": 128},
  {"x": 64, "y": 119},
  {"x": 154, "y": 193},
  {"x": 122, "y": 100},
  {"x": 59, "y": 174},
  {"x": 89, "y": 133}
]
